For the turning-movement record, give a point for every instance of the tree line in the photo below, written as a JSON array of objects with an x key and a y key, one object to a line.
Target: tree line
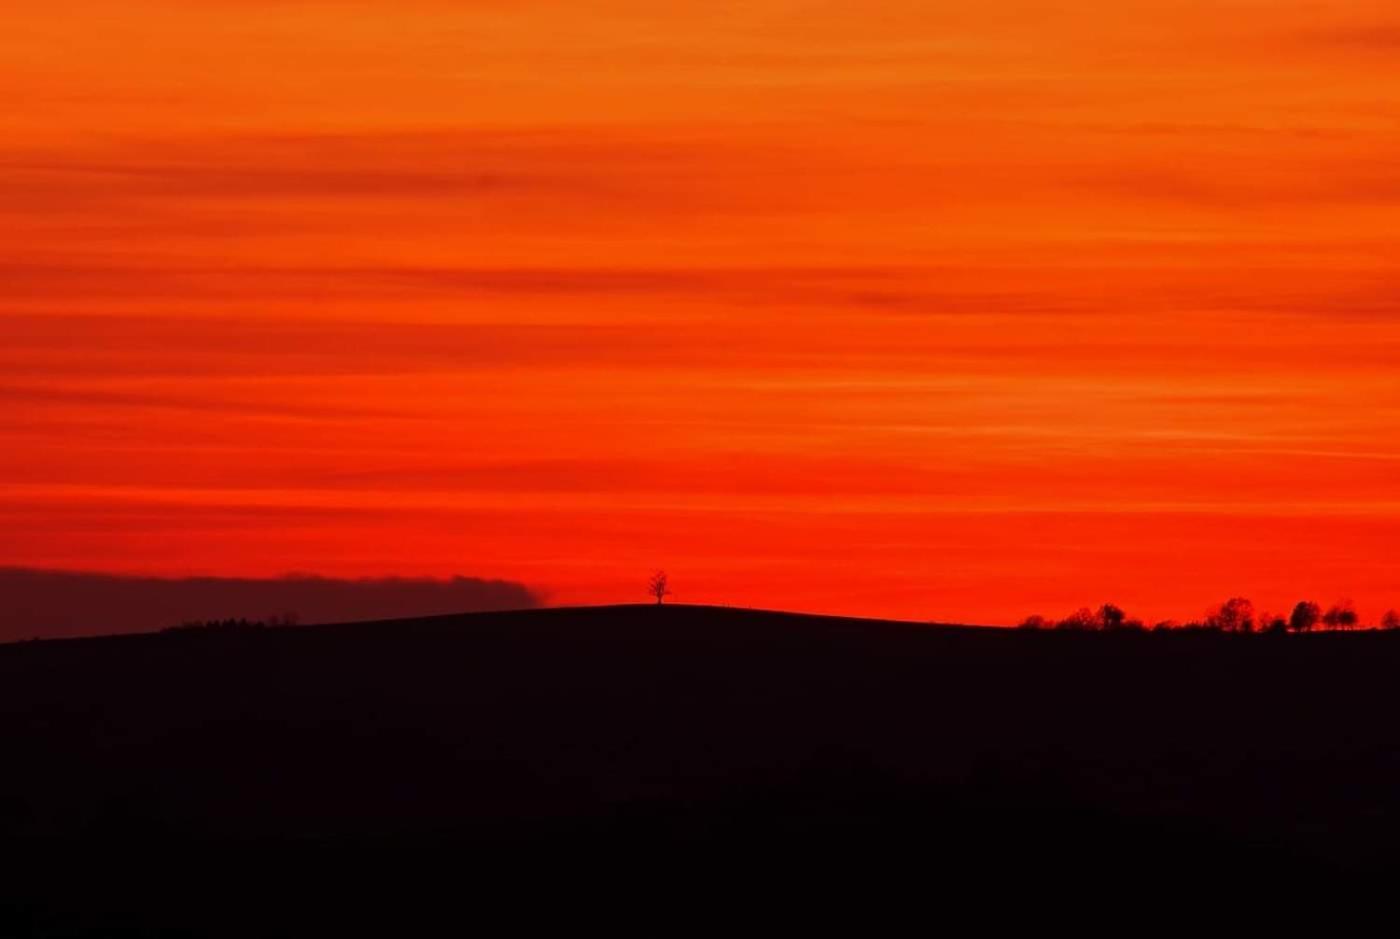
[
  {"x": 234, "y": 625},
  {"x": 1236, "y": 615}
]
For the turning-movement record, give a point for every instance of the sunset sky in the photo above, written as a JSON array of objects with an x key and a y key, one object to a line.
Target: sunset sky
[{"x": 940, "y": 310}]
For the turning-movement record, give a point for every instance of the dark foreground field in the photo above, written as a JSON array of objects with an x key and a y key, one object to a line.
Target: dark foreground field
[{"x": 677, "y": 735}]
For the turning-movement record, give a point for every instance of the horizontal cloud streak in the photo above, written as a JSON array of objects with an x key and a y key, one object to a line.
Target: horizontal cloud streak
[
  {"x": 1381, "y": 38},
  {"x": 54, "y": 604}
]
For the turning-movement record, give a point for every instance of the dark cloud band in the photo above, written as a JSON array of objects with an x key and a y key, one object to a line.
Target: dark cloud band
[{"x": 54, "y": 604}]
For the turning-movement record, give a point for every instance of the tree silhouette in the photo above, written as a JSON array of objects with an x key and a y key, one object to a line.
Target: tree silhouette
[
  {"x": 1081, "y": 619},
  {"x": 1110, "y": 616},
  {"x": 658, "y": 586},
  {"x": 1340, "y": 616},
  {"x": 1235, "y": 615},
  {"x": 1305, "y": 616}
]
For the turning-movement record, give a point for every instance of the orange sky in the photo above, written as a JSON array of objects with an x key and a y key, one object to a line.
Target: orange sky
[{"x": 928, "y": 309}]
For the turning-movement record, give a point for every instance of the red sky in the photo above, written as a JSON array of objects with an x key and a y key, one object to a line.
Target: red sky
[{"x": 928, "y": 309}]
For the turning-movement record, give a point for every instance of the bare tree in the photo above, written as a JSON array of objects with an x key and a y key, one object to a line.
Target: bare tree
[
  {"x": 658, "y": 586},
  {"x": 1391, "y": 619}
]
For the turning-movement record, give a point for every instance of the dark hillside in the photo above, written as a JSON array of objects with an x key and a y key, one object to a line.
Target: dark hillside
[{"x": 692, "y": 728}]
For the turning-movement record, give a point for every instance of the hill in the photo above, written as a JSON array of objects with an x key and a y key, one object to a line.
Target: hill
[{"x": 694, "y": 729}]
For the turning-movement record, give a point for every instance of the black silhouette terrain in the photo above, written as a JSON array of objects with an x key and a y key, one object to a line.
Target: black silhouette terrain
[{"x": 679, "y": 733}]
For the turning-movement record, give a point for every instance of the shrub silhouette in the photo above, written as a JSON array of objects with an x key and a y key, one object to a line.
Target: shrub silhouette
[
  {"x": 217, "y": 625},
  {"x": 234, "y": 625},
  {"x": 1109, "y": 617}
]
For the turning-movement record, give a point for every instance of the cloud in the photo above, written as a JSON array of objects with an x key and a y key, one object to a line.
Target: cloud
[
  {"x": 470, "y": 181},
  {"x": 54, "y": 604},
  {"x": 154, "y": 279},
  {"x": 1243, "y": 183},
  {"x": 1380, "y": 38},
  {"x": 20, "y": 395}
]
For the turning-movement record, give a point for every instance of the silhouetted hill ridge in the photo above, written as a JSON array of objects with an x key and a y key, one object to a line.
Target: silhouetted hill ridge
[{"x": 698, "y": 729}]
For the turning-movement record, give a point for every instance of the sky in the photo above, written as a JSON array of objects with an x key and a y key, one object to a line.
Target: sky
[{"x": 935, "y": 310}]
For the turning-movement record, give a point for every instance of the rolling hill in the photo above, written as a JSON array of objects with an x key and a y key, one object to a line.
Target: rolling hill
[{"x": 700, "y": 730}]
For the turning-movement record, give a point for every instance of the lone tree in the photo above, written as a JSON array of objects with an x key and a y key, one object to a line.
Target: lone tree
[
  {"x": 1391, "y": 619},
  {"x": 1305, "y": 616},
  {"x": 657, "y": 587}
]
